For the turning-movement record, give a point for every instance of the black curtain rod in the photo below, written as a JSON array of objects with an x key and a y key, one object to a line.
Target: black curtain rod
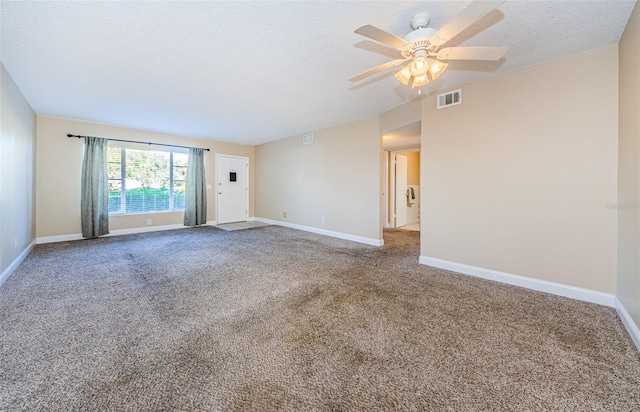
[{"x": 133, "y": 141}]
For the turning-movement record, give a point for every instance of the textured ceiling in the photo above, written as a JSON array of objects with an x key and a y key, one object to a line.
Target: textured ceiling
[{"x": 251, "y": 72}]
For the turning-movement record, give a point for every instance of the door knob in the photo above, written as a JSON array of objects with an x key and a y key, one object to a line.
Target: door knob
[{"x": 219, "y": 193}]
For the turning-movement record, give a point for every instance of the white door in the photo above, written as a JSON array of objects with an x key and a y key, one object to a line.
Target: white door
[
  {"x": 232, "y": 189},
  {"x": 401, "y": 190}
]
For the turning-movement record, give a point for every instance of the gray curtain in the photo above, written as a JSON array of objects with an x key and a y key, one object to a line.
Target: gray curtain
[
  {"x": 94, "y": 202},
  {"x": 195, "y": 200}
]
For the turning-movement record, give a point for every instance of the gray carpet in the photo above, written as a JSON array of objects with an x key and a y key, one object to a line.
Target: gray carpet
[{"x": 278, "y": 319}]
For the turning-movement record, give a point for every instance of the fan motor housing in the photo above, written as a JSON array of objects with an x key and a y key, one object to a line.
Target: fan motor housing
[{"x": 417, "y": 40}]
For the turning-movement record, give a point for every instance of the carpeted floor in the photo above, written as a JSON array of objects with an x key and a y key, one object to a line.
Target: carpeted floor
[
  {"x": 277, "y": 319},
  {"x": 410, "y": 226}
]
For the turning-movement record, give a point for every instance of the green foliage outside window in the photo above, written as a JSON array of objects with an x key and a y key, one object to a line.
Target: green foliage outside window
[{"x": 147, "y": 180}]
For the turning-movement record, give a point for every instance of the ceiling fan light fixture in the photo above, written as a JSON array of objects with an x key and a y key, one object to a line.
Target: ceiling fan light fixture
[
  {"x": 419, "y": 66},
  {"x": 404, "y": 75},
  {"x": 436, "y": 68},
  {"x": 420, "y": 81}
]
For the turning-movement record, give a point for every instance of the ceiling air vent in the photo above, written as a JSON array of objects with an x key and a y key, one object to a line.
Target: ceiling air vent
[
  {"x": 307, "y": 138},
  {"x": 450, "y": 99}
]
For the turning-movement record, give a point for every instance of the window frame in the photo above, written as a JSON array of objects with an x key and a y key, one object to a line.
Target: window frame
[{"x": 123, "y": 175}]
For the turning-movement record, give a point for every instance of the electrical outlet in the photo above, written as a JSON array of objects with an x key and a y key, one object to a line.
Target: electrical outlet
[
  {"x": 322, "y": 221},
  {"x": 284, "y": 214},
  {"x": 148, "y": 221}
]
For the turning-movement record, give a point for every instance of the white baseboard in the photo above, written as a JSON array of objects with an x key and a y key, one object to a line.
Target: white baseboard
[
  {"x": 560, "y": 289},
  {"x": 628, "y": 322},
  {"x": 339, "y": 235},
  {"x": 16, "y": 262},
  {"x": 117, "y": 232}
]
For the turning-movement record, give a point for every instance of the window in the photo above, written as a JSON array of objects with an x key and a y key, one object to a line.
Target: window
[{"x": 142, "y": 181}]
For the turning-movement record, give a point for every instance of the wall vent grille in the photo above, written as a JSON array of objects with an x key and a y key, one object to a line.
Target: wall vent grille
[
  {"x": 450, "y": 99},
  {"x": 307, "y": 138}
]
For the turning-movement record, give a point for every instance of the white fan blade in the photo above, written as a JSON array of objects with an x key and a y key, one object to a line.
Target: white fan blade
[
  {"x": 377, "y": 69},
  {"x": 382, "y": 36},
  {"x": 472, "y": 53},
  {"x": 472, "y": 13}
]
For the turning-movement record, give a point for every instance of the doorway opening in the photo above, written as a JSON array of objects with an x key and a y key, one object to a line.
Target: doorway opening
[
  {"x": 401, "y": 154},
  {"x": 407, "y": 190}
]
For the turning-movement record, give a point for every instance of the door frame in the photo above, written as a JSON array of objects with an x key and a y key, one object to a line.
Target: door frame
[
  {"x": 218, "y": 156},
  {"x": 386, "y": 191},
  {"x": 391, "y": 211},
  {"x": 399, "y": 199}
]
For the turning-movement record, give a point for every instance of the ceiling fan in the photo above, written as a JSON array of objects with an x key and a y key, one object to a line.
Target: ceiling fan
[{"x": 422, "y": 45}]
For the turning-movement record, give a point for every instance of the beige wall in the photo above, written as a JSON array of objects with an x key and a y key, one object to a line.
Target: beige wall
[
  {"x": 517, "y": 178},
  {"x": 337, "y": 177},
  {"x": 413, "y": 168},
  {"x": 628, "y": 289},
  {"x": 401, "y": 116},
  {"x": 17, "y": 171},
  {"x": 60, "y": 163}
]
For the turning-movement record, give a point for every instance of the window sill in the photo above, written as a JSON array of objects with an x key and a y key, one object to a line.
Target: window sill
[{"x": 160, "y": 212}]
